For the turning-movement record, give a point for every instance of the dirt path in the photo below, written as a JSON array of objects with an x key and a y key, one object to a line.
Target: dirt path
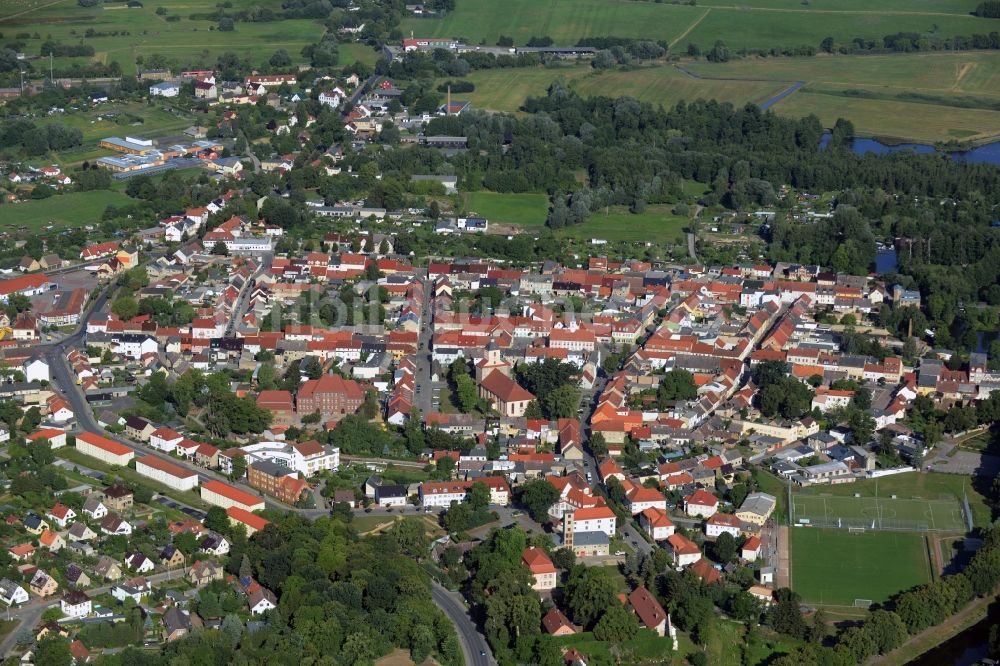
[
  {"x": 690, "y": 28},
  {"x": 966, "y": 68},
  {"x": 783, "y": 572},
  {"x": 29, "y": 11}
]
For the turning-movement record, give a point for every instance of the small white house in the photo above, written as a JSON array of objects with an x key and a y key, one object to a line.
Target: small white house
[
  {"x": 165, "y": 89},
  {"x": 139, "y": 563},
  {"x": 11, "y": 593}
]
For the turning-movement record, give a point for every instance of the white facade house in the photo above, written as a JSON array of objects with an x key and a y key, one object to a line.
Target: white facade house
[
  {"x": 36, "y": 370},
  {"x": 134, "y": 345},
  {"x": 167, "y": 473},
  {"x": 594, "y": 519},
  {"x": 165, "y": 89},
  {"x": 75, "y": 604},
  {"x": 722, "y": 523},
  {"x": 306, "y": 458},
  {"x": 139, "y": 563},
  {"x": 12, "y": 594},
  {"x": 165, "y": 439},
  {"x": 442, "y": 494}
]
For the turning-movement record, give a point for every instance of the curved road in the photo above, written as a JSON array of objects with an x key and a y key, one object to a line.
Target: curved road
[{"x": 474, "y": 647}]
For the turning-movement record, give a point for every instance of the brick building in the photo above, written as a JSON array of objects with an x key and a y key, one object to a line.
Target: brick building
[
  {"x": 276, "y": 480},
  {"x": 330, "y": 395}
]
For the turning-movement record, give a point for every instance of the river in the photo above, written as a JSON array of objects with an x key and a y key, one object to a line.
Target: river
[
  {"x": 986, "y": 154},
  {"x": 964, "y": 649}
]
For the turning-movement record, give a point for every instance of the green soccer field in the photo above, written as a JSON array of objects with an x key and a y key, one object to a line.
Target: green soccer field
[
  {"x": 878, "y": 513},
  {"x": 835, "y": 567}
]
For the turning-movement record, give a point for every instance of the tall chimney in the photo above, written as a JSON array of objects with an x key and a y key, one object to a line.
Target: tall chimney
[{"x": 447, "y": 108}]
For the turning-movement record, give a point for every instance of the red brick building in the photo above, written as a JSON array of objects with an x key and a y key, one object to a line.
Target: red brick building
[
  {"x": 330, "y": 395},
  {"x": 276, "y": 480}
]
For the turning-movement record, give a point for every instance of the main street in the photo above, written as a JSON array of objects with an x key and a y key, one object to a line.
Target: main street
[
  {"x": 473, "y": 644},
  {"x": 474, "y": 647}
]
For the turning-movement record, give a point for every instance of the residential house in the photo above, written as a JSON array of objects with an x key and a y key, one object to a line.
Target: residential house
[
  {"x": 43, "y": 585},
  {"x": 541, "y": 567},
  {"x": 75, "y": 604},
  {"x": 11, "y": 593},
  {"x": 261, "y": 601},
  {"x": 701, "y": 503},
  {"x": 203, "y": 572}
]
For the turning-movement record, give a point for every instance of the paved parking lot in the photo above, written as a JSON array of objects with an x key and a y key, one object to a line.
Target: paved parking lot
[{"x": 968, "y": 463}]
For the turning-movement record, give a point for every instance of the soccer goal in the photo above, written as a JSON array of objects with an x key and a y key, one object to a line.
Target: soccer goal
[
  {"x": 862, "y": 603},
  {"x": 856, "y": 530}
]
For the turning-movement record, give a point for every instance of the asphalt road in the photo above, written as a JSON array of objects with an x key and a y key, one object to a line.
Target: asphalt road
[
  {"x": 28, "y": 614},
  {"x": 477, "y": 651},
  {"x": 474, "y": 647}
]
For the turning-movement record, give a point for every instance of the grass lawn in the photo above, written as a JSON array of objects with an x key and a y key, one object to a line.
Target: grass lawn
[
  {"x": 656, "y": 225},
  {"x": 527, "y": 210},
  {"x": 156, "y": 121},
  {"x": 645, "y": 648},
  {"x": 364, "y": 524},
  {"x": 901, "y": 513},
  {"x": 836, "y": 567},
  {"x": 61, "y": 210},
  {"x": 188, "y": 497},
  {"x": 924, "y": 485},
  {"x": 351, "y": 52}
]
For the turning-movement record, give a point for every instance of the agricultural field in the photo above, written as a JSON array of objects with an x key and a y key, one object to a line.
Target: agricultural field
[
  {"x": 960, "y": 91},
  {"x": 61, "y": 210},
  {"x": 835, "y": 567},
  {"x": 189, "y": 41},
  {"x": 506, "y": 89},
  {"x": 525, "y": 210},
  {"x": 751, "y": 24},
  {"x": 566, "y": 21}
]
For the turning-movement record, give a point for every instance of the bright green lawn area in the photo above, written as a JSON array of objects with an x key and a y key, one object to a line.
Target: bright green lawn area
[
  {"x": 351, "y": 52},
  {"x": 835, "y": 567},
  {"x": 527, "y": 210},
  {"x": 895, "y": 119},
  {"x": 61, "y": 210},
  {"x": 923, "y": 485},
  {"x": 657, "y": 225}
]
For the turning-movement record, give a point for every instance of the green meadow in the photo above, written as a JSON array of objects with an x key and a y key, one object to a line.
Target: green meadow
[
  {"x": 749, "y": 23},
  {"x": 61, "y": 210}
]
